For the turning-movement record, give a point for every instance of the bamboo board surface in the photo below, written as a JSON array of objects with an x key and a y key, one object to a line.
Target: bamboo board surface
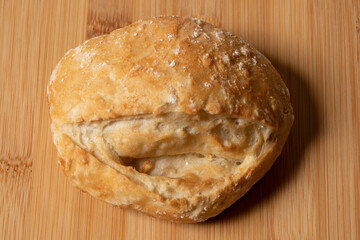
[{"x": 311, "y": 192}]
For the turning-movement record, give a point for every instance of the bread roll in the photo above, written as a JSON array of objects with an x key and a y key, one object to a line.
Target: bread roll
[{"x": 170, "y": 116}]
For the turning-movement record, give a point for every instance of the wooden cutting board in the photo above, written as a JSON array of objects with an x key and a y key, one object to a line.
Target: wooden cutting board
[{"x": 312, "y": 191}]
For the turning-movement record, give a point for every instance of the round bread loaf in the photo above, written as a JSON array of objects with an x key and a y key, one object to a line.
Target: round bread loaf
[{"x": 170, "y": 116}]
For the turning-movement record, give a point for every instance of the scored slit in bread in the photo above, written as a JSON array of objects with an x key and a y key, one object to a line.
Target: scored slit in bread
[{"x": 174, "y": 144}]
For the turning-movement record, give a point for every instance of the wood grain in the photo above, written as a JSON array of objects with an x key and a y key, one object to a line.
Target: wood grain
[{"x": 312, "y": 191}]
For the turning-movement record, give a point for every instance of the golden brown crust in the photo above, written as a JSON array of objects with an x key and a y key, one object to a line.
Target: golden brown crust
[
  {"x": 158, "y": 66},
  {"x": 182, "y": 65}
]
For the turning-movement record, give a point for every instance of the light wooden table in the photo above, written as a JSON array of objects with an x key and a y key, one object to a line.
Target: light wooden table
[{"x": 312, "y": 191}]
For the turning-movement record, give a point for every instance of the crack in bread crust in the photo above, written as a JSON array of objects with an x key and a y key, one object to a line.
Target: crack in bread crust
[{"x": 176, "y": 144}]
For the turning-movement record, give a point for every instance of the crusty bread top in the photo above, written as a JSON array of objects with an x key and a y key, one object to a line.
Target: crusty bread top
[{"x": 205, "y": 69}]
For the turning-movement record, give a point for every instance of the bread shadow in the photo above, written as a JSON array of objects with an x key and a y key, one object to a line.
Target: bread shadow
[{"x": 305, "y": 129}]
